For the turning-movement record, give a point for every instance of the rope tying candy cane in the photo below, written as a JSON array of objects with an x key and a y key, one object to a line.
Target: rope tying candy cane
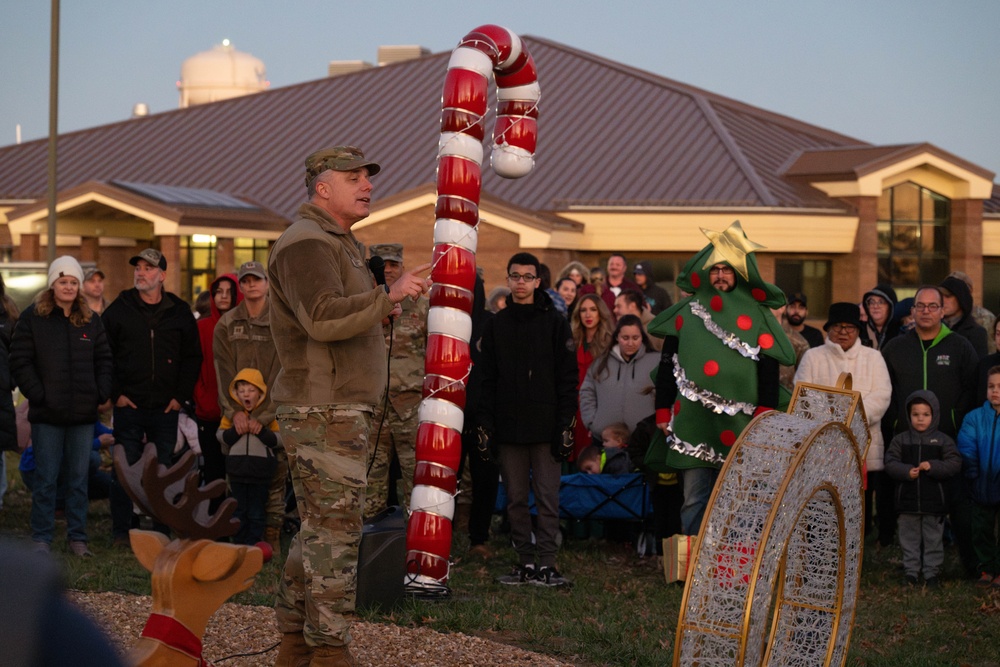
[{"x": 486, "y": 51}]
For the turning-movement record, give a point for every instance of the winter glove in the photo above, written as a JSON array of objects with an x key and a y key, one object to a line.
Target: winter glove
[
  {"x": 562, "y": 446},
  {"x": 483, "y": 445}
]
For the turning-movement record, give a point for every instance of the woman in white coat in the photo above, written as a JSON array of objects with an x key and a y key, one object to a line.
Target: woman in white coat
[{"x": 843, "y": 352}]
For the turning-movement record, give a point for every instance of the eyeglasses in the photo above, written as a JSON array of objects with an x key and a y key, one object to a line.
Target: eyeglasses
[
  {"x": 843, "y": 328},
  {"x": 927, "y": 307},
  {"x": 876, "y": 301},
  {"x": 521, "y": 278},
  {"x": 725, "y": 270}
]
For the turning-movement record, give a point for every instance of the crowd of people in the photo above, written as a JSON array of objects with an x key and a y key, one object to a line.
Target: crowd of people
[
  {"x": 306, "y": 375},
  {"x": 931, "y": 478}
]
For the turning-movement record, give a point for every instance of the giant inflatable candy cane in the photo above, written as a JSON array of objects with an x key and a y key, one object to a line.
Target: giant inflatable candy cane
[{"x": 486, "y": 50}]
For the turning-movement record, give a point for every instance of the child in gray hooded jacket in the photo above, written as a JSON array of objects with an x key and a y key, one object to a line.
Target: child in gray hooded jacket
[{"x": 920, "y": 459}]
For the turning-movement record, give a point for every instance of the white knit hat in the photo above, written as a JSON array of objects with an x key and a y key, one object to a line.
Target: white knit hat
[{"x": 64, "y": 266}]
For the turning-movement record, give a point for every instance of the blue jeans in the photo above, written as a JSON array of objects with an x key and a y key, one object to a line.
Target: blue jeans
[
  {"x": 65, "y": 448},
  {"x": 698, "y": 485},
  {"x": 131, "y": 426},
  {"x": 251, "y": 510},
  {"x": 98, "y": 482}
]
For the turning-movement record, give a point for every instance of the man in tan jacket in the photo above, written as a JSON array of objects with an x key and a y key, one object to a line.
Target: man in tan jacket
[{"x": 326, "y": 314}]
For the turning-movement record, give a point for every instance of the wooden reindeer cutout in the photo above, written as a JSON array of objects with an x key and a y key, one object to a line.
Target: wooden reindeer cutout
[{"x": 192, "y": 575}]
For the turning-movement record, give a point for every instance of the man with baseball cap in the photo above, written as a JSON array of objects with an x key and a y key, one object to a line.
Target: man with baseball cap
[
  {"x": 796, "y": 314},
  {"x": 243, "y": 340},
  {"x": 92, "y": 288},
  {"x": 326, "y": 320},
  {"x": 157, "y": 359},
  {"x": 656, "y": 296}
]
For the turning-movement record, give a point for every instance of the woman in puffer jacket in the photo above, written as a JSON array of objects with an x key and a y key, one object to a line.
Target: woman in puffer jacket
[
  {"x": 618, "y": 387},
  {"x": 61, "y": 360}
]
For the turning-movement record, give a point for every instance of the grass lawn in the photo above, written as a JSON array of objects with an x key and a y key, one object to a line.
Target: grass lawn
[{"x": 619, "y": 611}]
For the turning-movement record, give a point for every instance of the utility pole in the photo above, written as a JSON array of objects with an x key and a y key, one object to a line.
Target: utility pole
[{"x": 53, "y": 126}]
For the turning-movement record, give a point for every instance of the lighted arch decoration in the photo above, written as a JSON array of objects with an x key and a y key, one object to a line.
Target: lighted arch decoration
[
  {"x": 486, "y": 51},
  {"x": 775, "y": 573}
]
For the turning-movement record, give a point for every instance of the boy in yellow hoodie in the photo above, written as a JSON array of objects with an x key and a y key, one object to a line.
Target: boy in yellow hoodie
[{"x": 250, "y": 459}]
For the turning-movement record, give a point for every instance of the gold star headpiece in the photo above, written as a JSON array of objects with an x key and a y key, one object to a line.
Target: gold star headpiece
[{"x": 731, "y": 246}]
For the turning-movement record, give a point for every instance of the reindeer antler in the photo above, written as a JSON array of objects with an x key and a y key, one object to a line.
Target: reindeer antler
[{"x": 173, "y": 496}]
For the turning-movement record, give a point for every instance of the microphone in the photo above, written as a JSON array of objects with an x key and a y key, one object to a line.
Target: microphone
[{"x": 377, "y": 266}]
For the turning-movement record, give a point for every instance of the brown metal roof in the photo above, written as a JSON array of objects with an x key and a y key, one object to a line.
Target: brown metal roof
[
  {"x": 608, "y": 133},
  {"x": 207, "y": 209},
  {"x": 854, "y": 162}
]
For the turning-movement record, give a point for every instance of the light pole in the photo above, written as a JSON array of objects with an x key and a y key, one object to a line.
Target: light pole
[{"x": 53, "y": 126}]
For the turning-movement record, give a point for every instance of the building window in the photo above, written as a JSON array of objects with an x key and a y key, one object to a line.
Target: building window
[
  {"x": 812, "y": 277},
  {"x": 197, "y": 265},
  {"x": 991, "y": 287},
  {"x": 913, "y": 227},
  {"x": 245, "y": 250}
]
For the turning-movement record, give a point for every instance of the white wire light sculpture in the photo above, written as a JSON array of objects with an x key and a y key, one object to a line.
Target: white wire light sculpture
[{"x": 775, "y": 572}]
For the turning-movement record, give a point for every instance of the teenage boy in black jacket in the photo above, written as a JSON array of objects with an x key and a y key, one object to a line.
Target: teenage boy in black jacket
[
  {"x": 528, "y": 402},
  {"x": 157, "y": 358}
]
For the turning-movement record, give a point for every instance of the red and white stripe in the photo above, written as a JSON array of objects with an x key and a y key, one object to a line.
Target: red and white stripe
[{"x": 485, "y": 52}]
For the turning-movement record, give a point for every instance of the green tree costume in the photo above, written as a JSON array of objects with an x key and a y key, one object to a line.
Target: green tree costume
[{"x": 720, "y": 337}]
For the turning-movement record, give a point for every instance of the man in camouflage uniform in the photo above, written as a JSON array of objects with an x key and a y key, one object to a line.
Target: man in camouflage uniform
[
  {"x": 397, "y": 429},
  {"x": 326, "y": 312}
]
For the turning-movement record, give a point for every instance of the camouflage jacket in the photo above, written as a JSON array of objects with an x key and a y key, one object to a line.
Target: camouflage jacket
[{"x": 409, "y": 348}]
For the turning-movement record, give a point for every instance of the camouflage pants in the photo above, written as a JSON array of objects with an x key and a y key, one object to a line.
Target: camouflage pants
[
  {"x": 327, "y": 451},
  {"x": 276, "y": 491},
  {"x": 400, "y": 436}
]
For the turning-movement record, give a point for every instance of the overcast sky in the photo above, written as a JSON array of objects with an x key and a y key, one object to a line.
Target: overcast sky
[{"x": 885, "y": 71}]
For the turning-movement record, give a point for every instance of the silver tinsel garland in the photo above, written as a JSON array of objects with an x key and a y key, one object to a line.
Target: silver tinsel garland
[
  {"x": 701, "y": 451},
  {"x": 708, "y": 398},
  {"x": 730, "y": 340}
]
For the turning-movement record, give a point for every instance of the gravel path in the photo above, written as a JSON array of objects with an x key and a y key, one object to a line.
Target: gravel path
[{"x": 250, "y": 636}]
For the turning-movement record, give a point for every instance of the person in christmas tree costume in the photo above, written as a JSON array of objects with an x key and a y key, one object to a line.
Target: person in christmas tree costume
[{"x": 719, "y": 366}]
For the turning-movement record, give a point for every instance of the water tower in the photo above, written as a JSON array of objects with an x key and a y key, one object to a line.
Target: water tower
[{"x": 220, "y": 74}]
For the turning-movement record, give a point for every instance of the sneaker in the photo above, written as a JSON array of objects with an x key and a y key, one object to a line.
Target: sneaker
[
  {"x": 985, "y": 580},
  {"x": 932, "y": 582},
  {"x": 996, "y": 581},
  {"x": 121, "y": 542},
  {"x": 911, "y": 580},
  {"x": 80, "y": 549},
  {"x": 520, "y": 574},
  {"x": 40, "y": 547},
  {"x": 550, "y": 577}
]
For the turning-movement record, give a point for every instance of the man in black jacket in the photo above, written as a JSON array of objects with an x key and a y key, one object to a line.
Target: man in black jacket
[
  {"x": 157, "y": 358},
  {"x": 934, "y": 358},
  {"x": 528, "y": 401}
]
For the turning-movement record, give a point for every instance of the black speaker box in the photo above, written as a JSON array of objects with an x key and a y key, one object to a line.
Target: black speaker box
[{"x": 382, "y": 560}]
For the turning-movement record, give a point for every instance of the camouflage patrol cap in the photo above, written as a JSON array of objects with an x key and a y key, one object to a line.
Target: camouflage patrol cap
[
  {"x": 390, "y": 252},
  {"x": 338, "y": 158}
]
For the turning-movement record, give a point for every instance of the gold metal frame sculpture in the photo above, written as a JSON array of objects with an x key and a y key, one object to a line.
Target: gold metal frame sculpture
[{"x": 779, "y": 553}]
